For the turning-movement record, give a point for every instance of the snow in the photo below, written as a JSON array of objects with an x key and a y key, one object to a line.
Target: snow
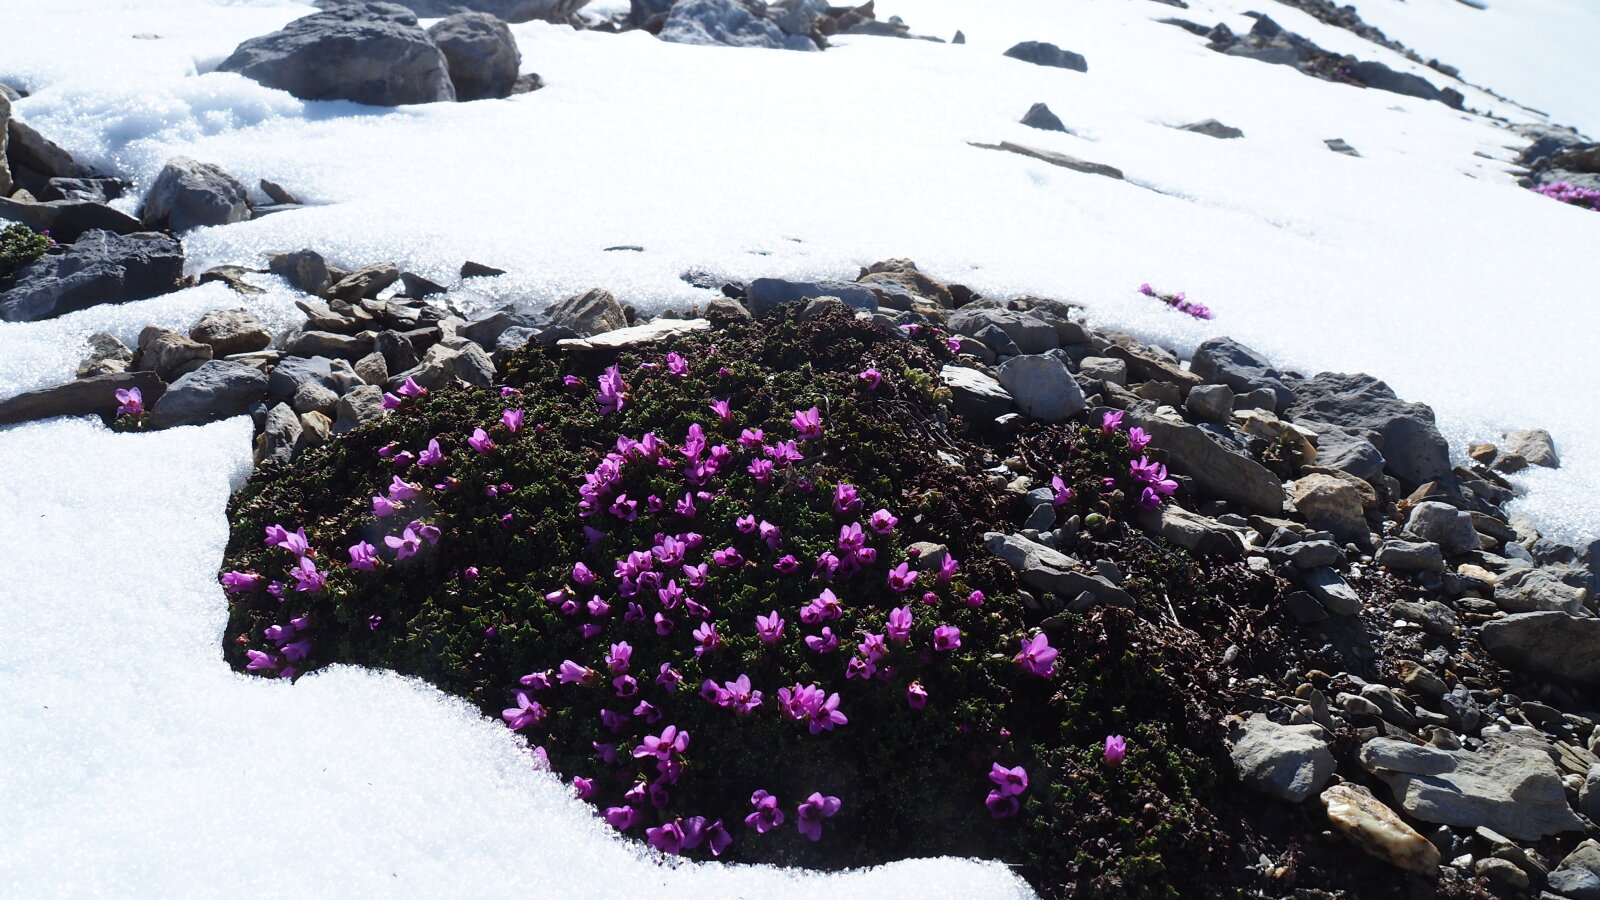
[{"x": 1420, "y": 262}]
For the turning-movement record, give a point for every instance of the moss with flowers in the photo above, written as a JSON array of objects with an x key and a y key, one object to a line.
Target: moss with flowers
[{"x": 733, "y": 587}]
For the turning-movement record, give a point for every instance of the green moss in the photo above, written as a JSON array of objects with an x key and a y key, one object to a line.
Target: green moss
[{"x": 19, "y": 246}]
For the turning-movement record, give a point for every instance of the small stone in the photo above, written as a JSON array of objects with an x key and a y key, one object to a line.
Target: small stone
[
  {"x": 107, "y": 356},
  {"x": 1290, "y": 762},
  {"x": 188, "y": 194},
  {"x": 1213, "y": 128},
  {"x": 1332, "y": 592},
  {"x": 1042, "y": 387},
  {"x": 1102, "y": 368},
  {"x": 1418, "y": 679},
  {"x": 1039, "y": 116},
  {"x": 280, "y": 436},
  {"x": 373, "y": 369},
  {"x": 365, "y": 282},
  {"x": 360, "y": 406},
  {"x": 1535, "y": 446},
  {"x": 1355, "y": 813},
  {"x": 1503, "y": 873},
  {"x": 1210, "y": 402},
  {"x": 316, "y": 428},
  {"x": 593, "y": 312},
  {"x": 304, "y": 270},
  {"x": 312, "y": 396},
  {"x": 1329, "y": 503},
  {"x": 1407, "y": 556},
  {"x": 1444, "y": 525},
  {"x": 169, "y": 354},
  {"x": 230, "y": 331},
  {"x": 1434, "y": 617}
]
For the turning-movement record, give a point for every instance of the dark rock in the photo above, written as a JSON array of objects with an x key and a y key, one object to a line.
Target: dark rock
[
  {"x": 1531, "y": 590},
  {"x": 1278, "y": 53},
  {"x": 69, "y": 220},
  {"x": 1193, "y": 532},
  {"x": 1290, "y": 762},
  {"x": 1210, "y": 403},
  {"x": 188, "y": 194},
  {"x": 1215, "y": 469},
  {"x": 473, "y": 366},
  {"x": 398, "y": 350},
  {"x": 373, "y": 368},
  {"x": 417, "y": 287},
  {"x": 293, "y": 371},
  {"x": 1052, "y": 571},
  {"x": 729, "y": 24},
  {"x": 92, "y": 396},
  {"x": 278, "y": 193},
  {"x": 1226, "y": 361},
  {"x": 1379, "y": 76},
  {"x": 486, "y": 331},
  {"x": 1338, "y": 145},
  {"x": 767, "y": 294},
  {"x": 1212, "y": 128},
  {"x": 1405, "y": 556},
  {"x": 1552, "y": 644},
  {"x": 1039, "y": 116},
  {"x": 510, "y": 10},
  {"x": 101, "y": 267},
  {"x": 481, "y": 52},
  {"x": 1345, "y": 450},
  {"x": 1029, "y": 333},
  {"x": 230, "y": 331},
  {"x": 304, "y": 270},
  {"x": 1042, "y": 54},
  {"x": 594, "y": 311},
  {"x": 365, "y": 282},
  {"x": 216, "y": 390},
  {"x": 470, "y": 269},
  {"x": 1403, "y": 432},
  {"x": 1332, "y": 592},
  {"x": 30, "y": 151},
  {"x": 87, "y": 190},
  {"x": 335, "y": 55}
]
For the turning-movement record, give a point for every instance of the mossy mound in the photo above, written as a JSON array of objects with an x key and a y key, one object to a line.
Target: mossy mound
[
  {"x": 19, "y": 246},
  {"x": 486, "y": 599}
]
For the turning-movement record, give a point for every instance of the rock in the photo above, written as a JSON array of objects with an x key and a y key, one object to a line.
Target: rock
[
  {"x": 1332, "y": 592},
  {"x": 473, "y": 366},
  {"x": 293, "y": 371},
  {"x": 417, "y": 287},
  {"x": 6, "y": 184},
  {"x": 1307, "y": 555},
  {"x": 277, "y": 193},
  {"x": 486, "y": 331},
  {"x": 1589, "y": 794},
  {"x": 1101, "y": 368},
  {"x": 1290, "y": 762},
  {"x": 373, "y": 368},
  {"x": 1044, "y": 569},
  {"x": 1226, "y": 361},
  {"x": 1329, "y": 504},
  {"x": 1210, "y": 402},
  {"x": 1535, "y": 446},
  {"x": 1508, "y": 786},
  {"x": 1443, "y": 524},
  {"x": 216, "y": 390},
  {"x": 360, "y": 406},
  {"x": 637, "y": 335},
  {"x": 470, "y": 269},
  {"x": 1434, "y": 617},
  {"x": 1347, "y": 451},
  {"x": 1374, "y": 827},
  {"x": 1404, "y": 432},
  {"x": 69, "y": 220},
  {"x": 1042, "y": 387},
  {"x": 1304, "y": 608},
  {"x": 316, "y": 429},
  {"x": 326, "y": 343},
  {"x": 1030, "y": 334},
  {"x": 313, "y": 396},
  {"x": 107, "y": 356},
  {"x": 1198, "y": 534},
  {"x": 1338, "y": 145},
  {"x": 1039, "y": 116},
  {"x": 92, "y": 396},
  {"x": 1212, "y": 128},
  {"x": 729, "y": 24},
  {"x": 1420, "y": 680},
  {"x": 31, "y": 154},
  {"x": 1406, "y": 556},
  {"x": 1043, "y": 54},
  {"x": 976, "y": 395},
  {"x": 230, "y": 331},
  {"x": 894, "y": 277},
  {"x": 510, "y": 10},
  {"x": 321, "y": 317},
  {"x": 334, "y": 55},
  {"x": 279, "y": 436},
  {"x": 1214, "y": 468},
  {"x": 304, "y": 270},
  {"x": 1531, "y": 590},
  {"x": 100, "y": 267},
  {"x": 1053, "y": 158},
  {"x": 433, "y": 372},
  {"x": 481, "y": 53},
  {"x": 1573, "y": 884},
  {"x": 169, "y": 354},
  {"x": 397, "y": 349},
  {"x": 1379, "y": 76},
  {"x": 87, "y": 190},
  {"x": 591, "y": 312},
  {"x": 188, "y": 194},
  {"x": 767, "y": 294},
  {"x": 365, "y": 282}
]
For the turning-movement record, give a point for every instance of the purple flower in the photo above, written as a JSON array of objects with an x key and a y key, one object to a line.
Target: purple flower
[
  {"x": 1111, "y": 421},
  {"x": 723, "y": 412},
  {"x": 1010, "y": 782},
  {"x": 131, "y": 400},
  {"x": 677, "y": 365},
  {"x": 827, "y": 565},
  {"x": 871, "y": 378},
  {"x": 612, "y": 396},
  {"x": 826, "y": 642},
  {"x": 752, "y": 438},
  {"x": 728, "y": 557},
  {"x": 717, "y": 838},
  {"x": 787, "y": 564},
  {"x": 235, "y": 582},
  {"x": 784, "y": 453},
  {"x": 899, "y": 625},
  {"x": 761, "y": 469},
  {"x": 391, "y": 401},
  {"x": 826, "y": 715},
  {"x": 373, "y": 622},
  {"x": 307, "y": 578},
  {"x": 1142, "y": 469},
  {"x": 647, "y": 711},
  {"x": 947, "y": 568},
  {"x": 946, "y": 637},
  {"x": 767, "y": 815},
  {"x": 618, "y": 660},
  {"x": 1146, "y": 290},
  {"x": 1116, "y": 750},
  {"x": 1063, "y": 494},
  {"x": 406, "y": 545},
  {"x": 1037, "y": 656},
  {"x": 1138, "y": 439},
  {"x": 512, "y": 419},
  {"x": 709, "y": 640},
  {"x": 382, "y": 507},
  {"x": 845, "y": 499},
  {"x": 1001, "y": 805},
  {"x": 901, "y": 577},
  {"x": 571, "y": 673},
  {"x": 664, "y": 625},
  {"x": 620, "y": 817},
  {"x": 916, "y": 695},
  {"x": 295, "y": 542},
  {"x": 403, "y": 458},
  {"x": 260, "y": 661},
  {"x": 807, "y": 424},
  {"x": 411, "y": 389},
  {"x": 954, "y": 343},
  {"x": 663, "y": 747},
  {"x": 740, "y": 698},
  {"x": 813, "y": 811},
  {"x": 527, "y": 712},
  {"x": 770, "y": 533},
  {"x": 745, "y": 524},
  {"x": 882, "y": 521},
  {"x": 480, "y": 441},
  {"x": 668, "y": 677},
  {"x": 402, "y": 490},
  {"x": 364, "y": 556},
  {"x": 432, "y": 456},
  {"x": 697, "y": 575},
  {"x": 582, "y": 787},
  {"x": 769, "y": 628},
  {"x": 825, "y": 606}
]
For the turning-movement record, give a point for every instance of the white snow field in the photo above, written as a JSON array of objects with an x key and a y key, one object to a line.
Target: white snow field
[{"x": 137, "y": 764}]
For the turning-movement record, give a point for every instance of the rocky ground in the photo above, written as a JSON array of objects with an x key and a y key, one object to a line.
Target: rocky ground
[{"x": 1421, "y": 691}]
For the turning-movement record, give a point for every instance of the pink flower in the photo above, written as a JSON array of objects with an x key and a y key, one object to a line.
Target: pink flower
[
  {"x": 813, "y": 811},
  {"x": 1138, "y": 439},
  {"x": 677, "y": 365},
  {"x": 916, "y": 695},
  {"x": 411, "y": 389},
  {"x": 1063, "y": 494},
  {"x": 364, "y": 556},
  {"x": 722, "y": 410},
  {"x": 871, "y": 378},
  {"x": 1010, "y": 782},
  {"x": 382, "y": 507},
  {"x": 512, "y": 419},
  {"x": 131, "y": 400},
  {"x": 612, "y": 397},
  {"x": 767, "y": 815},
  {"x": 807, "y": 424},
  {"x": 1116, "y": 750},
  {"x": 432, "y": 456},
  {"x": 402, "y": 490},
  {"x": 946, "y": 637},
  {"x": 1037, "y": 656},
  {"x": 769, "y": 628},
  {"x": 882, "y": 521},
  {"x": 1111, "y": 421},
  {"x": 527, "y": 712},
  {"x": 480, "y": 441},
  {"x": 901, "y": 578},
  {"x": 898, "y": 628}
]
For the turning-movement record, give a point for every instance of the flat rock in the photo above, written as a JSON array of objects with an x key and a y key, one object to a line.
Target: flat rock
[
  {"x": 513, "y": 11},
  {"x": 1042, "y": 386},
  {"x": 637, "y": 335},
  {"x": 188, "y": 194},
  {"x": 1554, "y": 644},
  {"x": 1215, "y": 469},
  {"x": 230, "y": 331},
  {"x": 68, "y": 220},
  {"x": 1051, "y": 571},
  {"x": 216, "y": 390},
  {"x": 1212, "y": 128},
  {"x": 329, "y": 344},
  {"x": 292, "y": 371},
  {"x": 92, "y": 396},
  {"x": 1533, "y": 590},
  {"x": 1044, "y": 54},
  {"x": 1055, "y": 159},
  {"x": 1534, "y": 445},
  {"x": 100, "y": 267},
  {"x": 1198, "y": 534},
  {"x": 1411, "y": 556},
  {"x": 1508, "y": 786},
  {"x": 1355, "y": 813},
  {"x": 1332, "y": 592},
  {"x": 1030, "y": 333},
  {"x": 365, "y": 282},
  {"x": 1290, "y": 762},
  {"x": 304, "y": 270},
  {"x": 976, "y": 395}
]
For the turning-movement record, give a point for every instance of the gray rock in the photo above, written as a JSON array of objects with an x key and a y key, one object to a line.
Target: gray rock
[
  {"x": 1434, "y": 617},
  {"x": 1573, "y": 884},
  {"x": 316, "y": 429},
  {"x": 1508, "y": 786},
  {"x": 1546, "y": 643},
  {"x": 1226, "y": 361},
  {"x": 473, "y": 366},
  {"x": 1408, "y": 556},
  {"x": 293, "y": 371},
  {"x": 304, "y": 270},
  {"x": 486, "y": 331},
  {"x": 69, "y": 220},
  {"x": 1198, "y": 534},
  {"x": 1051, "y": 571},
  {"x": 729, "y": 24},
  {"x": 216, "y": 390},
  {"x": 767, "y": 294},
  {"x": 1332, "y": 592},
  {"x": 510, "y": 10},
  {"x": 188, "y": 194},
  {"x": 1535, "y": 446},
  {"x": 1306, "y": 555},
  {"x": 230, "y": 331},
  {"x": 365, "y": 282},
  {"x": 360, "y": 406},
  {"x": 332, "y": 55},
  {"x": 1331, "y": 504},
  {"x": 326, "y": 343},
  {"x": 1339, "y": 145},
  {"x": 1532, "y": 590},
  {"x": 1042, "y": 54},
  {"x": 1304, "y": 608},
  {"x": 1276, "y": 53},
  {"x": 481, "y": 53},
  {"x": 1214, "y": 468},
  {"x": 87, "y": 190},
  {"x": 373, "y": 369},
  {"x": 1210, "y": 402},
  {"x": 92, "y": 396},
  {"x": 1290, "y": 762},
  {"x": 1444, "y": 525},
  {"x": 1339, "y": 448},
  {"x": 976, "y": 395},
  {"x": 100, "y": 267},
  {"x": 995, "y": 342},
  {"x": 1103, "y": 368},
  {"x": 6, "y": 184},
  {"x": 1381, "y": 77},
  {"x": 107, "y": 356},
  {"x": 417, "y": 287},
  {"x": 280, "y": 435},
  {"x": 30, "y": 151},
  {"x": 1054, "y": 158},
  {"x": 1589, "y": 794},
  {"x": 1039, "y": 116},
  {"x": 1212, "y": 128},
  {"x": 642, "y": 11},
  {"x": 592, "y": 312},
  {"x": 433, "y": 372},
  {"x": 1030, "y": 333},
  {"x": 312, "y": 396},
  {"x": 1404, "y": 432},
  {"x": 1042, "y": 387},
  {"x": 169, "y": 354}
]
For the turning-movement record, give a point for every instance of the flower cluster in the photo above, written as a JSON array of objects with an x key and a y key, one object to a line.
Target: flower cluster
[
  {"x": 1567, "y": 192},
  {"x": 1177, "y": 302}
]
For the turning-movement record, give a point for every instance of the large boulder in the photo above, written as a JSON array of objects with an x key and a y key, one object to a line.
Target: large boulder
[
  {"x": 1379, "y": 76},
  {"x": 594, "y": 311},
  {"x": 727, "y": 23},
  {"x": 188, "y": 194},
  {"x": 348, "y": 53},
  {"x": 1444, "y": 525},
  {"x": 482, "y": 54},
  {"x": 1042, "y": 54},
  {"x": 1404, "y": 433},
  {"x": 1226, "y": 361},
  {"x": 218, "y": 389},
  {"x": 230, "y": 331},
  {"x": 101, "y": 267}
]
